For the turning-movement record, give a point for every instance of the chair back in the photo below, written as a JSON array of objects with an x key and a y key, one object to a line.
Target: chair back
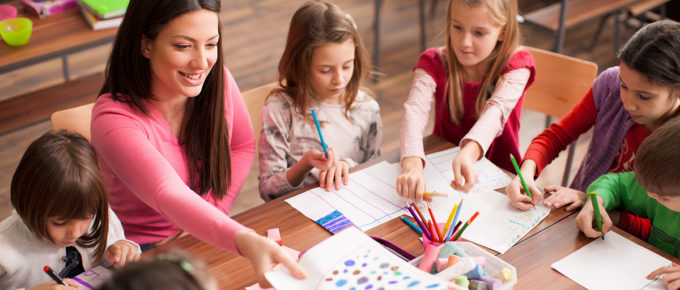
[
  {"x": 76, "y": 119},
  {"x": 561, "y": 82},
  {"x": 254, "y": 99}
]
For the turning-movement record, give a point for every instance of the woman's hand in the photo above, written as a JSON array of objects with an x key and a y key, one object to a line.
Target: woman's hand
[
  {"x": 264, "y": 254},
  {"x": 585, "y": 220},
  {"x": 411, "y": 182},
  {"x": 562, "y": 196},
  {"x": 670, "y": 278},
  {"x": 122, "y": 252},
  {"x": 464, "y": 172},
  {"x": 54, "y": 286},
  {"x": 337, "y": 174},
  {"x": 515, "y": 190}
]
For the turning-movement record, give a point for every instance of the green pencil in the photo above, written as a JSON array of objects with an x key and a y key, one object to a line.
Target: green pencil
[
  {"x": 519, "y": 173},
  {"x": 596, "y": 209}
]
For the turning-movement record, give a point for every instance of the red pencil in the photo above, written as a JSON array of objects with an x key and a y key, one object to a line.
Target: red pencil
[
  {"x": 434, "y": 221},
  {"x": 453, "y": 232}
]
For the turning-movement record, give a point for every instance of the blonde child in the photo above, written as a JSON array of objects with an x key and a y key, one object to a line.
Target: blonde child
[
  {"x": 624, "y": 105},
  {"x": 172, "y": 271},
  {"x": 321, "y": 68},
  {"x": 652, "y": 190},
  {"x": 61, "y": 216},
  {"x": 477, "y": 82}
]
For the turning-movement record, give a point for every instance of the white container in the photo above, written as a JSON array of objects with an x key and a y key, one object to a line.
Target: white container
[{"x": 493, "y": 266}]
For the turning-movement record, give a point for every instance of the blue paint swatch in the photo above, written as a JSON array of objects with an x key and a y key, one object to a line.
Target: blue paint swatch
[{"x": 334, "y": 222}]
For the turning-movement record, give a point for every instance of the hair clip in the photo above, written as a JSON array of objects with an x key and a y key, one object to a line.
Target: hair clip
[
  {"x": 351, "y": 20},
  {"x": 184, "y": 264}
]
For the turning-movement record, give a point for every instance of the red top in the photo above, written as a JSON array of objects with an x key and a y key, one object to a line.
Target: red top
[
  {"x": 503, "y": 145},
  {"x": 546, "y": 146}
]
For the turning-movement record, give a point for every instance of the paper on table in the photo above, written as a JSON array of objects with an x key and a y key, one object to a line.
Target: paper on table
[
  {"x": 612, "y": 263},
  {"x": 370, "y": 199},
  {"x": 291, "y": 253},
  {"x": 93, "y": 278},
  {"x": 351, "y": 258}
]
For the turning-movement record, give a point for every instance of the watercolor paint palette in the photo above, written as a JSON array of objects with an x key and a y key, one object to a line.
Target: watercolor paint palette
[{"x": 352, "y": 260}]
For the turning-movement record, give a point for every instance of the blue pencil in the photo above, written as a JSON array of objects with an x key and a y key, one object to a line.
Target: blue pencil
[
  {"x": 410, "y": 224},
  {"x": 455, "y": 218},
  {"x": 318, "y": 128}
]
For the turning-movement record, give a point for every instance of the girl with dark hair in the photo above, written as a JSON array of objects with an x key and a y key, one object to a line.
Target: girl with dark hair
[
  {"x": 61, "y": 216},
  {"x": 624, "y": 105},
  {"x": 173, "y": 134},
  {"x": 322, "y": 67}
]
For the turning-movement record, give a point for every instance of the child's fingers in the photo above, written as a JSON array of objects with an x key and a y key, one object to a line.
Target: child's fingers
[
  {"x": 322, "y": 178},
  {"x": 290, "y": 264},
  {"x": 113, "y": 253},
  {"x": 522, "y": 203},
  {"x": 661, "y": 271},
  {"x": 71, "y": 284},
  {"x": 329, "y": 178},
  {"x": 470, "y": 175},
  {"x": 338, "y": 177},
  {"x": 345, "y": 173},
  {"x": 574, "y": 205}
]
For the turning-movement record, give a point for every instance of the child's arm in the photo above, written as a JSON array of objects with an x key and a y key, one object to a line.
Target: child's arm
[
  {"x": 54, "y": 286},
  {"x": 509, "y": 89},
  {"x": 411, "y": 182},
  {"x": 670, "y": 278}
]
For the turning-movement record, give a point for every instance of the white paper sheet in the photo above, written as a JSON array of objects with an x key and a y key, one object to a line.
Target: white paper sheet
[
  {"x": 612, "y": 263},
  {"x": 352, "y": 259},
  {"x": 370, "y": 199}
]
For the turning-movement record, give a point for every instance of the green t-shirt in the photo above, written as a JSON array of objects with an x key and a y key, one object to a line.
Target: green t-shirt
[{"x": 621, "y": 190}]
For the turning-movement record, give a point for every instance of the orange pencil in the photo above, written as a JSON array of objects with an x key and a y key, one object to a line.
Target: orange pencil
[{"x": 434, "y": 221}]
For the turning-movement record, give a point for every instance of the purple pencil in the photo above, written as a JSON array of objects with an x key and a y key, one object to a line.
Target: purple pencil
[{"x": 415, "y": 217}]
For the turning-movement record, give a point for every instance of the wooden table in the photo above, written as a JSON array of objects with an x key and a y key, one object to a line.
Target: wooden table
[
  {"x": 55, "y": 36},
  {"x": 533, "y": 257},
  {"x": 552, "y": 239}
]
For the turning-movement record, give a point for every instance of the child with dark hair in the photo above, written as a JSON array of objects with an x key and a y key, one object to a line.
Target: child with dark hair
[
  {"x": 61, "y": 215},
  {"x": 173, "y": 271},
  {"x": 652, "y": 191},
  {"x": 625, "y": 104}
]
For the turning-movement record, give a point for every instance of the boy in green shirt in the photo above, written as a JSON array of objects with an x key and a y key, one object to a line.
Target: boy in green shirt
[{"x": 652, "y": 191}]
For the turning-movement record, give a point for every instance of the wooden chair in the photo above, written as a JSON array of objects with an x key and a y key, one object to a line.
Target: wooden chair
[
  {"x": 75, "y": 119},
  {"x": 254, "y": 99},
  {"x": 561, "y": 82}
]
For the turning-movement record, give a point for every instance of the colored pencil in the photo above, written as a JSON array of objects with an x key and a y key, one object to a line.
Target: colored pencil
[
  {"x": 453, "y": 230},
  {"x": 318, "y": 128},
  {"x": 596, "y": 209},
  {"x": 415, "y": 217},
  {"x": 436, "y": 226},
  {"x": 435, "y": 194},
  {"x": 458, "y": 211},
  {"x": 412, "y": 226},
  {"x": 467, "y": 223},
  {"x": 519, "y": 173},
  {"x": 447, "y": 225}
]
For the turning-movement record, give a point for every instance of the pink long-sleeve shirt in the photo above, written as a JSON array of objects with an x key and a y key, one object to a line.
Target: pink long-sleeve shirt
[{"x": 146, "y": 171}]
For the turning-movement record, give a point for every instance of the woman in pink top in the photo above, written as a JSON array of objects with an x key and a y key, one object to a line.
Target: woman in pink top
[{"x": 173, "y": 135}]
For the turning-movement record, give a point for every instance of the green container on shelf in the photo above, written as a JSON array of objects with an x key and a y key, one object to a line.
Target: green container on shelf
[{"x": 16, "y": 31}]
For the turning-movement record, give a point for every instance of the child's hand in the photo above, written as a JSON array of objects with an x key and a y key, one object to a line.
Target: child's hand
[
  {"x": 54, "y": 286},
  {"x": 464, "y": 172},
  {"x": 562, "y": 196},
  {"x": 411, "y": 182},
  {"x": 318, "y": 159},
  {"x": 515, "y": 190},
  {"x": 585, "y": 220},
  {"x": 122, "y": 252},
  {"x": 264, "y": 254},
  {"x": 338, "y": 174},
  {"x": 670, "y": 278}
]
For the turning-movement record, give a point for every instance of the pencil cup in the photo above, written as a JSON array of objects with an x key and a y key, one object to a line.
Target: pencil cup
[{"x": 427, "y": 241}]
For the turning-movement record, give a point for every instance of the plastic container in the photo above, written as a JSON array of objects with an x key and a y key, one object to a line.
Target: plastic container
[
  {"x": 7, "y": 12},
  {"x": 493, "y": 266},
  {"x": 16, "y": 31}
]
